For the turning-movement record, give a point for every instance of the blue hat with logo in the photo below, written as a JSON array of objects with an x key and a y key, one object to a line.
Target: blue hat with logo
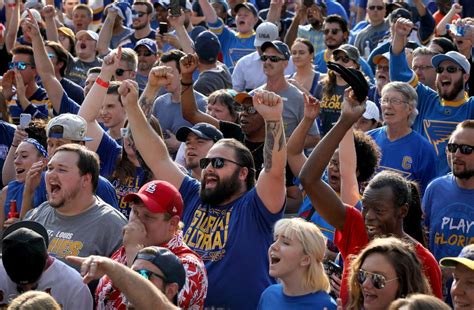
[{"x": 149, "y": 44}]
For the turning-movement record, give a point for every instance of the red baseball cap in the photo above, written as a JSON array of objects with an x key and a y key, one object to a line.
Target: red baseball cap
[{"x": 159, "y": 197}]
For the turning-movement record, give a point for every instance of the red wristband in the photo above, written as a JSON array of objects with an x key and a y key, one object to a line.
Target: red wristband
[{"x": 102, "y": 83}]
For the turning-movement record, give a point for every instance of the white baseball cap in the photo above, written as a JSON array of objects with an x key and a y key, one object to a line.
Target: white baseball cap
[
  {"x": 371, "y": 111},
  {"x": 265, "y": 32}
]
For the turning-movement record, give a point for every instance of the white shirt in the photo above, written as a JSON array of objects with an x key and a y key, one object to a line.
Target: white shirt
[
  {"x": 62, "y": 282},
  {"x": 248, "y": 72}
]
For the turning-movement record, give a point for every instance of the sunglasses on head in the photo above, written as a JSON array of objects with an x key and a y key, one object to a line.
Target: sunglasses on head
[
  {"x": 463, "y": 148},
  {"x": 449, "y": 69},
  {"x": 272, "y": 58},
  {"x": 249, "y": 109},
  {"x": 216, "y": 162},
  {"x": 332, "y": 31},
  {"x": 120, "y": 72},
  {"x": 345, "y": 59},
  {"x": 378, "y": 280},
  {"x": 20, "y": 65},
  {"x": 378, "y": 7},
  {"x": 147, "y": 274}
]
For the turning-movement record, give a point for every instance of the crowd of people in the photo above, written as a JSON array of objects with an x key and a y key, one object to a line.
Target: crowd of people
[{"x": 231, "y": 154}]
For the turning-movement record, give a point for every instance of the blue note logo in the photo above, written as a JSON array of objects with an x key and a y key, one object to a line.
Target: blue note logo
[{"x": 438, "y": 133}]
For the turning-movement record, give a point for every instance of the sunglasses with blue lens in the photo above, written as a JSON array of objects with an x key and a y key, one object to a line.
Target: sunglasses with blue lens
[
  {"x": 147, "y": 274},
  {"x": 20, "y": 65}
]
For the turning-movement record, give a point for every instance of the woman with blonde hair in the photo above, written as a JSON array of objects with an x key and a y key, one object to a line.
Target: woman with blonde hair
[
  {"x": 296, "y": 258},
  {"x": 419, "y": 302},
  {"x": 387, "y": 269},
  {"x": 32, "y": 300}
]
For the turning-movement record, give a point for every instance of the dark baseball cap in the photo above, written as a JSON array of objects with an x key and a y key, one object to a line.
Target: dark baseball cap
[
  {"x": 202, "y": 130},
  {"x": 169, "y": 264},
  {"x": 281, "y": 47},
  {"x": 249, "y": 6},
  {"x": 207, "y": 46},
  {"x": 401, "y": 12},
  {"x": 149, "y": 44},
  {"x": 350, "y": 50},
  {"x": 24, "y": 247}
]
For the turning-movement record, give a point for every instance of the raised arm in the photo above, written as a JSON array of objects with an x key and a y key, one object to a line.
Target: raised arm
[
  {"x": 399, "y": 69},
  {"x": 181, "y": 33},
  {"x": 49, "y": 13},
  {"x": 323, "y": 197},
  {"x": 150, "y": 145},
  {"x": 32, "y": 181},
  {"x": 348, "y": 169},
  {"x": 189, "y": 107},
  {"x": 208, "y": 11},
  {"x": 274, "y": 11},
  {"x": 271, "y": 181},
  {"x": 292, "y": 32},
  {"x": 92, "y": 104},
  {"x": 44, "y": 67},
  {"x": 13, "y": 25},
  {"x": 140, "y": 292},
  {"x": 456, "y": 8},
  {"x": 105, "y": 34},
  {"x": 296, "y": 157}
]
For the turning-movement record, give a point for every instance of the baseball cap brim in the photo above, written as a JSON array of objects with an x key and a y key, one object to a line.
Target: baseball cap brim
[
  {"x": 34, "y": 226},
  {"x": 61, "y": 136},
  {"x": 379, "y": 57},
  {"x": 148, "y": 202},
  {"x": 241, "y": 97},
  {"x": 348, "y": 53},
  {"x": 93, "y": 35},
  {"x": 453, "y": 261},
  {"x": 438, "y": 59},
  {"x": 183, "y": 132},
  {"x": 268, "y": 44}
]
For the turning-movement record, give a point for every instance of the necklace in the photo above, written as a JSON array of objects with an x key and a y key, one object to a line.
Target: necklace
[{"x": 255, "y": 149}]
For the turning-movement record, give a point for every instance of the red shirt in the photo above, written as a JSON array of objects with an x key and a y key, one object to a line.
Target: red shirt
[
  {"x": 353, "y": 238},
  {"x": 191, "y": 296}
]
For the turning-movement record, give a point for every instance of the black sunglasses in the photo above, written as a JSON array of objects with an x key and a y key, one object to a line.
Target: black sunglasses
[
  {"x": 146, "y": 54},
  {"x": 20, "y": 65},
  {"x": 449, "y": 69},
  {"x": 332, "y": 31},
  {"x": 120, "y": 72},
  {"x": 378, "y": 280},
  {"x": 345, "y": 59},
  {"x": 378, "y": 7},
  {"x": 272, "y": 58},
  {"x": 216, "y": 162},
  {"x": 138, "y": 14},
  {"x": 147, "y": 274},
  {"x": 463, "y": 148}
]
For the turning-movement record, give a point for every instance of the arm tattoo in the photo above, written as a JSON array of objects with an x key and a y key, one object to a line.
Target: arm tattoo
[
  {"x": 274, "y": 132},
  {"x": 146, "y": 106}
]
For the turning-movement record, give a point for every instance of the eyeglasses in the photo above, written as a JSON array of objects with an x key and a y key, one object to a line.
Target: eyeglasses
[
  {"x": 345, "y": 59},
  {"x": 384, "y": 68},
  {"x": 146, "y": 54},
  {"x": 394, "y": 101},
  {"x": 378, "y": 7},
  {"x": 216, "y": 162},
  {"x": 272, "y": 58},
  {"x": 20, "y": 65},
  {"x": 51, "y": 55},
  {"x": 378, "y": 280},
  {"x": 422, "y": 68},
  {"x": 463, "y": 148},
  {"x": 249, "y": 109},
  {"x": 449, "y": 69},
  {"x": 332, "y": 31},
  {"x": 136, "y": 14},
  {"x": 120, "y": 72},
  {"x": 147, "y": 274}
]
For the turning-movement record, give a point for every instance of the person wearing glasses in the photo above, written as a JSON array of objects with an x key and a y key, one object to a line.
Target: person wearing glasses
[
  {"x": 377, "y": 28},
  {"x": 142, "y": 12},
  {"x": 403, "y": 149},
  {"x": 228, "y": 214},
  {"x": 439, "y": 111},
  {"x": 157, "y": 209},
  {"x": 449, "y": 199},
  {"x": 147, "y": 52},
  {"x": 387, "y": 269},
  {"x": 127, "y": 68},
  {"x": 385, "y": 202}
]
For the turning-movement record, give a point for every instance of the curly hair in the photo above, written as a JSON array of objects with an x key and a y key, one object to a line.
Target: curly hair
[
  {"x": 368, "y": 155},
  {"x": 402, "y": 257}
]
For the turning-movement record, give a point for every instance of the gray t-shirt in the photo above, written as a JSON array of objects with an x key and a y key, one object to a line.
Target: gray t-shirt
[
  {"x": 293, "y": 110},
  {"x": 96, "y": 231},
  {"x": 169, "y": 113},
  {"x": 372, "y": 34},
  {"x": 77, "y": 70},
  {"x": 212, "y": 80}
]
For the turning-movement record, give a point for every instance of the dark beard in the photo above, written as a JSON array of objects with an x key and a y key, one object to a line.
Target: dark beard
[
  {"x": 464, "y": 175},
  {"x": 458, "y": 87},
  {"x": 223, "y": 190}
]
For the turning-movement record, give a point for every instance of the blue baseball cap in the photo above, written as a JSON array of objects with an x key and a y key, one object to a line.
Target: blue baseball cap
[
  {"x": 149, "y": 44},
  {"x": 202, "y": 130},
  {"x": 207, "y": 46},
  {"x": 453, "y": 56},
  {"x": 249, "y": 6},
  {"x": 281, "y": 47}
]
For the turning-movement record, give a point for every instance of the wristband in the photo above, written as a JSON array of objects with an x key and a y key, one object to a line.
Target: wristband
[
  {"x": 186, "y": 84},
  {"x": 12, "y": 5},
  {"x": 12, "y": 145},
  {"x": 102, "y": 83}
]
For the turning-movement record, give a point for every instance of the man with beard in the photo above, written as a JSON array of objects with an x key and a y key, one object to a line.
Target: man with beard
[
  {"x": 147, "y": 52},
  {"x": 142, "y": 12},
  {"x": 441, "y": 111},
  {"x": 228, "y": 217},
  {"x": 336, "y": 33},
  {"x": 78, "y": 223},
  {"x": 449, "y": 200}
]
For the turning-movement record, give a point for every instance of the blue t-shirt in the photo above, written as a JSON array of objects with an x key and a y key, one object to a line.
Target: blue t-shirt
[
  {"x": 131, "y": 185},
  {"x": 449, "y": 216},
  {"x": 233, "y": 241},
  {"x": 39, "y": 107},
  {"x": 73, "y": 90},
  {"x": 437, "y": 117},
  {"x": 306, "y": 210},
  {"x": 273, "y": 298},
  {"x": 67, "y": 106},
  {"x": 234, "y": 45},
  {"x": 411, "y": 155},
  {"x": 109, "y": 151},
  {"x": 15, "y": 192},
  {"x": 7, "y": 131}
]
